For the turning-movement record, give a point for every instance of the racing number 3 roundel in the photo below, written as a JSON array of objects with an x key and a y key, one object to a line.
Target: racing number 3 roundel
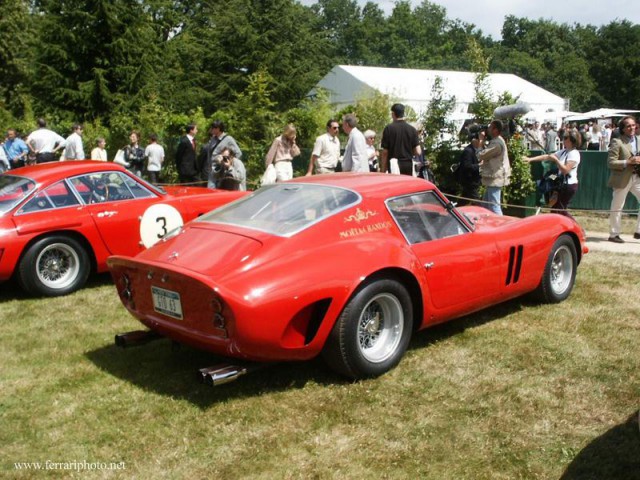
[{"x": 157, "y": 221}]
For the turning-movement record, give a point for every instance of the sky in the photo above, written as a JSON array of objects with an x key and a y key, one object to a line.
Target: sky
[{"x": 488, "y": 15}]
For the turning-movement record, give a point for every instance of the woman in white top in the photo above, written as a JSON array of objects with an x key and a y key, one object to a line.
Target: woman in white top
[
  {"x": 281, "y": 154},
  {"x": 99, "y": 153},
  {"x": 567, "y": 161}
]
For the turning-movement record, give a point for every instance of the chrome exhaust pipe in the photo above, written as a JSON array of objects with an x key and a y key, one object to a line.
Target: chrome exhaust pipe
[
  {"x": 221, "y": 374},
  {"x": 135, "y": 338}
]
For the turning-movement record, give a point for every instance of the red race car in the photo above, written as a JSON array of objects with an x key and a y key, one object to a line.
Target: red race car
[
  {"x": 60, "y": 221},
  {"x": 343, "y": 265}
]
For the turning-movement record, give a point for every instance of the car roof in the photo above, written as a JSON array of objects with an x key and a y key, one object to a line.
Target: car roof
[
  {"x": 51, "y": 171},
  {"x": 370, "y": 185}
]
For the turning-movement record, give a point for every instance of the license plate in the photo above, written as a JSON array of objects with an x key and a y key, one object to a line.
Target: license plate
[{"x": 167, "y": 302}]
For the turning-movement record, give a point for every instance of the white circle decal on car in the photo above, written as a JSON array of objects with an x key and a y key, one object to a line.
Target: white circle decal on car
[{"x": 157, "y": 221}]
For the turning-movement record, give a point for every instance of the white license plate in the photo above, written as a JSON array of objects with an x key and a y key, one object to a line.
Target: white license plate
[{"x": 167, "y": 302}]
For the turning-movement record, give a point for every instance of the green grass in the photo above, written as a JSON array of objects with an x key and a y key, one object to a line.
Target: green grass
[
  {"x": 518, "y": 391},
  {"x": 599, "y": 222}
]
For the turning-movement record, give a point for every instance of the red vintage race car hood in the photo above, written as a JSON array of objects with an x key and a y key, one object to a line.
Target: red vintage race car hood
[{"x": 205, "y": 249}]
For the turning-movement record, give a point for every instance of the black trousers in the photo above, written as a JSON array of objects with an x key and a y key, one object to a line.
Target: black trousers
[{"x": 45, "y": 157}]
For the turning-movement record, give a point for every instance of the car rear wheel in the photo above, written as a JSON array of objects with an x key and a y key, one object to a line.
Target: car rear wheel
[
  {"x": 560, "y": 271},
  {"x": 53, "y": 266},
  {"x": 373, "y": 331}
]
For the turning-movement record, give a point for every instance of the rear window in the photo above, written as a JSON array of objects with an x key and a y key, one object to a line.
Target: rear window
[
  {"x": 284, "y": 209},
  {"x": 13, "y": 190}
]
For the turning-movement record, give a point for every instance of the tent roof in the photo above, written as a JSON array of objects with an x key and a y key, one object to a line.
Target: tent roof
[
  {"x": 413, "y": 87},
  {"x": 599, "y": 113}
]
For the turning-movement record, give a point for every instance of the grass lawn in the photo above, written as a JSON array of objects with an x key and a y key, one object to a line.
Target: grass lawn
[{"x": 521, "y": 391}]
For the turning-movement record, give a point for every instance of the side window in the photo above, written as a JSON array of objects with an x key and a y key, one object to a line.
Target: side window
[
  {"x": 422, "y": 217},
  {"x": 57, "y": 195},
  {"x": 104, "y": 187},
  {"x": 137, "y": 189}
]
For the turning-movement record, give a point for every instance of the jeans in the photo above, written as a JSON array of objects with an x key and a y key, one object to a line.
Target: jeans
[{"x": 492, "y": 198}]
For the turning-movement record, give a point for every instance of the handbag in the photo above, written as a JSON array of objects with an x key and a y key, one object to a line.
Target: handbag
[{"x": 269, "y": 176}]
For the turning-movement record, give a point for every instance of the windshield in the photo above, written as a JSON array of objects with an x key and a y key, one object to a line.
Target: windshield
[
  {"x": 284, "y": 209},
  {"x": 13, "y": 190}
]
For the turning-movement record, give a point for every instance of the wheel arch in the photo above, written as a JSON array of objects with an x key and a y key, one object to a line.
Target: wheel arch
[
  {"x": 408, "y": 280},
  {"x": 80, "y": 238}
]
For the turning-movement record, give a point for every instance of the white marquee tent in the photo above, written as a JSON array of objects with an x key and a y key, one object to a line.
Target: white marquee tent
[{"x": 346, "y": 84}]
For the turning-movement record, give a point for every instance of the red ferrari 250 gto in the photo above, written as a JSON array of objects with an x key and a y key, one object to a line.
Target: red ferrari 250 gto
[{"x": 343, "y": 265}]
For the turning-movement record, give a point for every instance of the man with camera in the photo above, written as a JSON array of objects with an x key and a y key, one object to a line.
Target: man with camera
[
  {"x": 495, "y": 169},
  {"x": 218, "y": 141},
  {"x": 624, "y": 165},
  {"x": 227, "y": 172}
]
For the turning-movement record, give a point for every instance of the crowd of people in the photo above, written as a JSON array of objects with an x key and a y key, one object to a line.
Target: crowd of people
[
  {"x": 483, "y": 165},
  {"x": 590, "y": 136}
]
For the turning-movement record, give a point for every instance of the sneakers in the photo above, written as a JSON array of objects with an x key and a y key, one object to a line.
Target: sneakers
[
  {"x": 636, "y": 236},
  {"x": 617, "y": 239}
]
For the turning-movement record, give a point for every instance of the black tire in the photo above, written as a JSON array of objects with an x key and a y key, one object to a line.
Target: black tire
[
  {"x": 372, "y": 332},
  {"x": 559, "y": 274},
  {"x": 53, "y": 266}
]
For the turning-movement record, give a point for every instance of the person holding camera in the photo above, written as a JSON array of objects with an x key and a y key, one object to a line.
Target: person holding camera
[
  {"x": 567, "y": 161},
  {"x": 624, "y": 165},
  {"x": 228, "y": 172},
  {"x": 495, "y": 169}
]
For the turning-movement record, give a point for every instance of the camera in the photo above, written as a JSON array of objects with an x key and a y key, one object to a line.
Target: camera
[{"x": 221, "y": 164}]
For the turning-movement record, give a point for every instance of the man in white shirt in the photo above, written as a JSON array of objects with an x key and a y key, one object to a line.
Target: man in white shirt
[
  {"x": 356, "y": 158},
  {"x": 326, "y": 150},
  {"x": 45, "y": 143},
  {"x": 74, "y": 149},
  {"x": 154, "y": 153}
]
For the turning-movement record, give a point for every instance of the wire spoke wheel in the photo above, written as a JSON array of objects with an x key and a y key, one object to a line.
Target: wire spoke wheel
[
  {"x": 380, "y": 327},
  {"x": 57, "y": 265},
  {"x": 561, "y": 270}
]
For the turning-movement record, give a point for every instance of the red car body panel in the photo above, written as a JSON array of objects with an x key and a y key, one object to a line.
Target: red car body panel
[
  {"x": 105, "y": 228},
  {"x": 280, "y": 296}
]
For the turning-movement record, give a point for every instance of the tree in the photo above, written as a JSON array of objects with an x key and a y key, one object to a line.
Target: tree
[{"x": 16, "y": 55}]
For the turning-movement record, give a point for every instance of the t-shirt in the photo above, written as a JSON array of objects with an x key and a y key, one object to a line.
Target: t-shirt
[
  {"x": 566, "y": 156},
  {"x": 155, "y": 156},
  {"x": 399, "y": 139}
]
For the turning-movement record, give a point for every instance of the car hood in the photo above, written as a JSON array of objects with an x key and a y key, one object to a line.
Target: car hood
[{"x": 205, "y": 249}]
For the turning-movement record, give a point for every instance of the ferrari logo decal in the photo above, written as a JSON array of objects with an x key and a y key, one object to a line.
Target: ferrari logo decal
[{"x": 360, "y": 216}]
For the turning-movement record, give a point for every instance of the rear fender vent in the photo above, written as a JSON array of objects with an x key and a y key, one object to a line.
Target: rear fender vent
[
  {"x": 304, "y": 326},
  {"x": 515, "y": 264}
]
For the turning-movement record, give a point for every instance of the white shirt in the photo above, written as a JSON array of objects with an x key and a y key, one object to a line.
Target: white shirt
[
  {"x": 566, "y": 156},
  {"x": 155, "y": 156},
  {"x": 99, "y": 154},
  {"x": 44, "y": 140},
  {"x": 74, "y": 149},
  {"x": 327, "y": 149}
]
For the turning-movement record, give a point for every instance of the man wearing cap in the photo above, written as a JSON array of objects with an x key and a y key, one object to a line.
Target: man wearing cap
[
  {"x": 326, "y": 150},
  {"x": 399, "y": 140}
]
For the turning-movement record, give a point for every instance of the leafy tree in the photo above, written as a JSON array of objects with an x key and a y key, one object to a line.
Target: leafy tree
[
  {"x": 16, "y": 53},
  {"x": 440, "y": 133},
  {"x": 483, "y": 105}
]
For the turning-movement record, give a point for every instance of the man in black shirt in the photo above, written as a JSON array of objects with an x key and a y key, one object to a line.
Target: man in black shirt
[{"x": 399, "y": 140}]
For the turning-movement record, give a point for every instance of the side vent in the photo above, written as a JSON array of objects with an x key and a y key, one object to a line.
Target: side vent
[{"x": 515, "y": 264}]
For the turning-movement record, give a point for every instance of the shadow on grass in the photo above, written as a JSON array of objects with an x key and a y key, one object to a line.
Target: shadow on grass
[
  {"x": 168, "y": 369},
  {"x": 164, "y": 369},
  {"x": 615, "y": 455}
]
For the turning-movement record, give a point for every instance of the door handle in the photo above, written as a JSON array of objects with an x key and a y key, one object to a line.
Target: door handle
[{"x": 428, "y": 265}]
